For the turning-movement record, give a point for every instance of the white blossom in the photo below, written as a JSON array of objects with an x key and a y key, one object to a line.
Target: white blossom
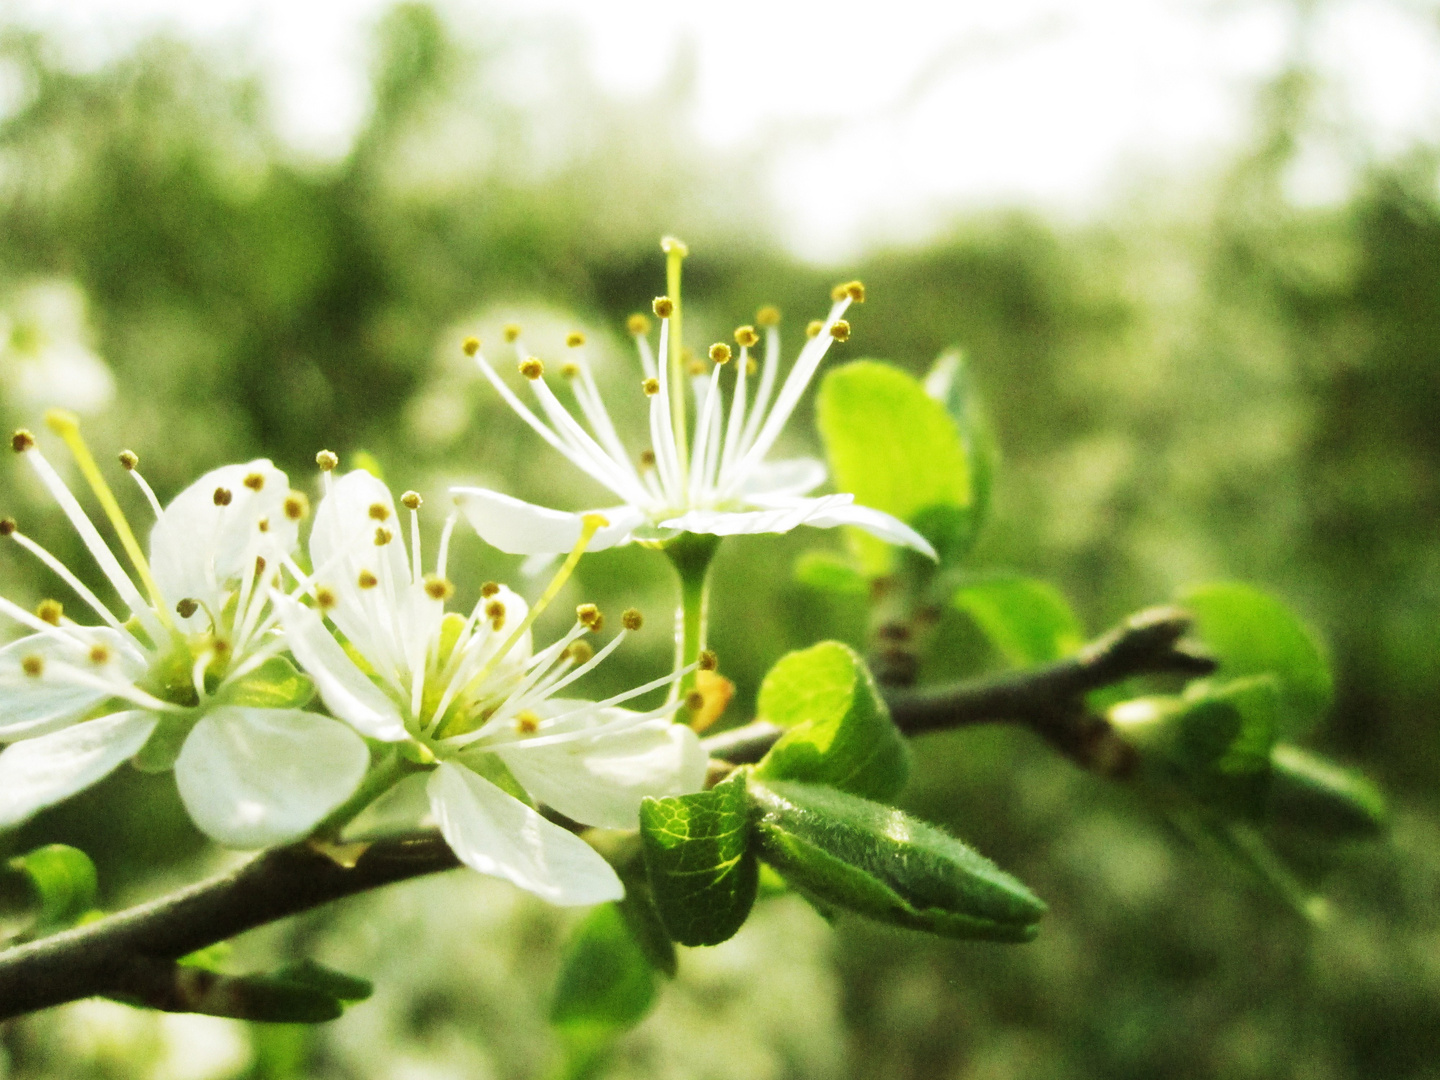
[
  {"x": 467, "y": 693},
  {"x": 45, "y": 360},
  {"x": 719, "y": 481},
  {"x": 76, "y": 701}
]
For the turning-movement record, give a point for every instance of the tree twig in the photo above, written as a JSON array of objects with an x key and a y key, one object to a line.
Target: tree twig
[
  {"x": 132, "y": 952},
  {"x": 120, "y": 954}
]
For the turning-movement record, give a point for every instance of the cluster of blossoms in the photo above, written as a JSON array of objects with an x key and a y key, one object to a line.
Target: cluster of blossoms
[
  {"x": 186, "y": 677},
  {"x": 197, "y": 670}
]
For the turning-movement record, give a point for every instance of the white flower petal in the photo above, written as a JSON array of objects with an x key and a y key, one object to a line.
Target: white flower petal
[
  {"x": 496, "y": 834},
  {"x": 256, "y": 777},
  {"x": 65, "y": 375},
  {"x": 41, "y": 772},
  {"x": 522, "y": 528},
  {"x": 32, "y": 705},
  {"x": 877, "y": 523},
  {"x": 345, "y": 523},
  {"x": 794, "y": 476},
  {"x": 781, "y": 514},
  {"x": 601, "y": 780},
  {"x": 345, "y": 689},
  {"x": 197, "y": 547}
]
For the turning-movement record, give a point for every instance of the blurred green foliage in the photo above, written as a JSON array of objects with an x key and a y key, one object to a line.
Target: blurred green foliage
[{"x": 1210, "y": 383}]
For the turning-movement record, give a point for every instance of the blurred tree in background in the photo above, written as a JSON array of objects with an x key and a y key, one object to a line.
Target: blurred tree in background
[{"x": 1208, "y": 383}]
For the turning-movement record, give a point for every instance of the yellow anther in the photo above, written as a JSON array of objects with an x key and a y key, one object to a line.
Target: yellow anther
[
  {"x": 263, "y": 524},
  {"x": 746, "y": 337},
  {"x": 33, "y": 665},
  {"x": 840, "y": 330},
  {"x": 708, "y": 660},
  {"x": 651, "y": 387},
  {"x": 489, "y": 589},
  {"x": 631, "y": 619},
  {"x": 512, "y": 331},
  {"x": 526, "y": 723},
  {"x": 8, "y": 526},
  {"x": 663, "y": 307},
  {"x": 471, "y": 345},
  {"x": 589, "y": 616},
  {"x": 411, "y": 500},
  {"x": 751, "y": 366},
  {"x": 327, "y": 461},
  {"x": 694, "y": 700},
  {"x": 720, "y": 353},
  {"x": 697, "y": 367},
  {"x": 325, "y": 598},
  {"x": 223, "y": 496},
  {"x": 99, "y": 654},
  {"x": 367, "y": 580},
  {"x": 259, "y": 565},
  {"x": 438, "y": 588},
  {"x": 50, "y": 611},
  {"x": 855, "y": 290},
  {"x": 129, "y": 460},
  {"x": 378, "y": 511},
  {"x": 186, "y": 607},
  {"x": 297, "y": 505},
  {"x": 532, "y": 368},
  {"x": 673, "y": 245},
  {"x": 255, "y": 481},
  {"x": 574, "y": 339},
  {"x": 383, "y": 536},
  {"x": 579, "y": 652},
  {"x": 769, "y": 315},
  {"x": 813, "y": 328},
  {"x": 647, "y": 459},
  {"x": 638, "y": 325},
  {"x": 21, "y": 441},
  {"x": 837, "y": 293},
  {"x": 569, "y": 369}
]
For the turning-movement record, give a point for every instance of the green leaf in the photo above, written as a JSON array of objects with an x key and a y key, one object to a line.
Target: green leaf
[
  {"x": 895, "y": 449},
  {"x": 1027, "y": 621},
  {"x": 701, "y": 863},
  {"x": 270, "y": 999},
  {"x": 643, "y": 917},
  {"x": 1252, "y": 633},
  {"x": 606, "y": 982},
  {"x": 342, "y": 987},
  {"x": 275, "y": 684},
  {"x": 64, "y": 881},
  {"x": 1313, "y": 793},
  {"x": 839, "y": 730},
  {"x": 851, "y": 853},
  {"x": 830, "y": 573},
  {"x": 949, "y": 383},
  {"x": 1214, "y": 742}
]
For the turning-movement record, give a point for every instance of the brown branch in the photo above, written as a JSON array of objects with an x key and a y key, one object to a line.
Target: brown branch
[
  {"x": 131, "y": 954},
  {"x": 124, "y": 953},
  {"x": 1049, "y": 699}
]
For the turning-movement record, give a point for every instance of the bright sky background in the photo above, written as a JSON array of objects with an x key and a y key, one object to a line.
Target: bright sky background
[{"x": 1055, "y": 103}]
